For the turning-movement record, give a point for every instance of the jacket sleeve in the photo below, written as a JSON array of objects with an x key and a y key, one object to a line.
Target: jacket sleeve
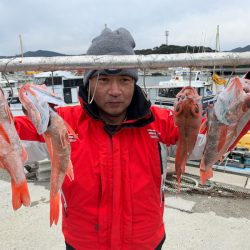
[
  {"x": 26, "y": 129},
  {"x": 164, "y": 119},
  {"x": 164, "y": 122},
  {"x": 30, "y": 139}
]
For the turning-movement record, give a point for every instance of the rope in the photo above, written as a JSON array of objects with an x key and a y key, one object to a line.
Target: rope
[{"x": 189, "y": 183}]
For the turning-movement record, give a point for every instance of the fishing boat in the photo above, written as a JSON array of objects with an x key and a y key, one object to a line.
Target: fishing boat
[
  {"x": 199, "y": 79},
  {"x": 63, "y": 83}
]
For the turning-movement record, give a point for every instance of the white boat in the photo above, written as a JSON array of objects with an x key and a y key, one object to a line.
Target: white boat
[
  {"x": 6, "y": 84},
  {"x": 201, "y": 80},
  {"x": 63, "y": 83}
]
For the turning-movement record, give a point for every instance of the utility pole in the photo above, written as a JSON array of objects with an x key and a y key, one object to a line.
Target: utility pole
[
  {"x": 166, "y": 34},
  {"x": 21, "y": 44}
]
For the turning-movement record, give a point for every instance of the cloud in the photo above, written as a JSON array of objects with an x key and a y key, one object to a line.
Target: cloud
[{"x": 69, "y": 26}]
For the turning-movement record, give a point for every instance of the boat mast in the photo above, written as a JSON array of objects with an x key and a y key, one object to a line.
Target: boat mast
[{"x": 217, "y": 44}]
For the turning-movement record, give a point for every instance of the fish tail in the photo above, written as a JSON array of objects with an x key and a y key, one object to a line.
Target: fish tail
[
  {"x": 205, "y": 173},
  {"x": 54, "y": 208},
  {"x": 183, "y": 165},
  {"x": 4, "y": 134},
  {"x": 20, "y": 195}
]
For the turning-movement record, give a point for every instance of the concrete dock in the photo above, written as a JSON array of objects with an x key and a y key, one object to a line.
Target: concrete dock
[{"x": 192, "y": 221}]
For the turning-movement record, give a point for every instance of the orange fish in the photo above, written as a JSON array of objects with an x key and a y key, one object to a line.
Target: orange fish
[
  {"x": 187, "y": 117},
  {"x": 57, "y": 140},
  {"x": 35, "y": 100},
  {"x": 227, "y": 118},
  {"x": 13, "y": 156}
]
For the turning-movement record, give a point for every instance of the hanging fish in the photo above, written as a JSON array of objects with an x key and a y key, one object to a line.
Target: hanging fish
[
  {"x": 57, "y": 140},
  {"x": 226, "y": 120},
  {"x": 187, "y": 117},
  {"x": 13, "y": 156},
  {"x": 55, "y": 132}
]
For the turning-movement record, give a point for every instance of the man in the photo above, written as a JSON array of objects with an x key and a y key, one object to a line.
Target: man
[{"x": 116, "y": 200}]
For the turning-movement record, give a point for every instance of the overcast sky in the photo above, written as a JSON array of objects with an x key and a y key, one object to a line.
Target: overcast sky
[{"x": 68, "y": 26}]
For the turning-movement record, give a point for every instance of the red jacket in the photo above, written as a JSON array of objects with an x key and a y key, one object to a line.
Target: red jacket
[{"x": 115, "y": 200}]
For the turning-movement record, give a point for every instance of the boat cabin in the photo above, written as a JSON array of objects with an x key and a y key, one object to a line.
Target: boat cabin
[
  {"x": 63, "y": 83},
  {"x": 168, "y": 90}
]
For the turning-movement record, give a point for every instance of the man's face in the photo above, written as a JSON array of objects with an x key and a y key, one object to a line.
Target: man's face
[{"x": 113, "y": 94}]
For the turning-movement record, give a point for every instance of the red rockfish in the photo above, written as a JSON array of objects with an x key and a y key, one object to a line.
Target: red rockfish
[
  {"x": 55, "y": 131},
  {"x": 187, "y": 117},
  {"x": 57, "y": 140},
  {"x": 13, "y": 156},
  {"x": 226, "y": 120}
]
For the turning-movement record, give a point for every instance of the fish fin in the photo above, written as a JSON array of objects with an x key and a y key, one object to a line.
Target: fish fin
[
  {"x": 178, "y": 184},
  {"x": 4, "y": 134},
  {"x": 70, "y": 171},
  {"x": 222, "y": 138},
  {"x": 183, "y": 165},
  {"x": 180, "y": 161},
  {"x": 24, "y": 154},
  {"x": 20, "y": 195},
  {"x": 71, "y": 131},
  {"x": 54, "y": 208}
]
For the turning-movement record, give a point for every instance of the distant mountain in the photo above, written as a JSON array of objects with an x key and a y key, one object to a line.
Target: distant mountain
[
  {"x": 173, "y": 49},
  {"x": 240, "y": 49},
  {"x": 39, "y": 53},
  {"x": 163, "y": 49}
]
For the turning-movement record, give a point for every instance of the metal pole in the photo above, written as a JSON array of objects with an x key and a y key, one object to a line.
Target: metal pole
[{"x": 152, "y": 61}]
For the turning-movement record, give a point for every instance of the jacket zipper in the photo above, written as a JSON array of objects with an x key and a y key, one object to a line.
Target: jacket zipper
[{"x": 162, "y": 176}]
